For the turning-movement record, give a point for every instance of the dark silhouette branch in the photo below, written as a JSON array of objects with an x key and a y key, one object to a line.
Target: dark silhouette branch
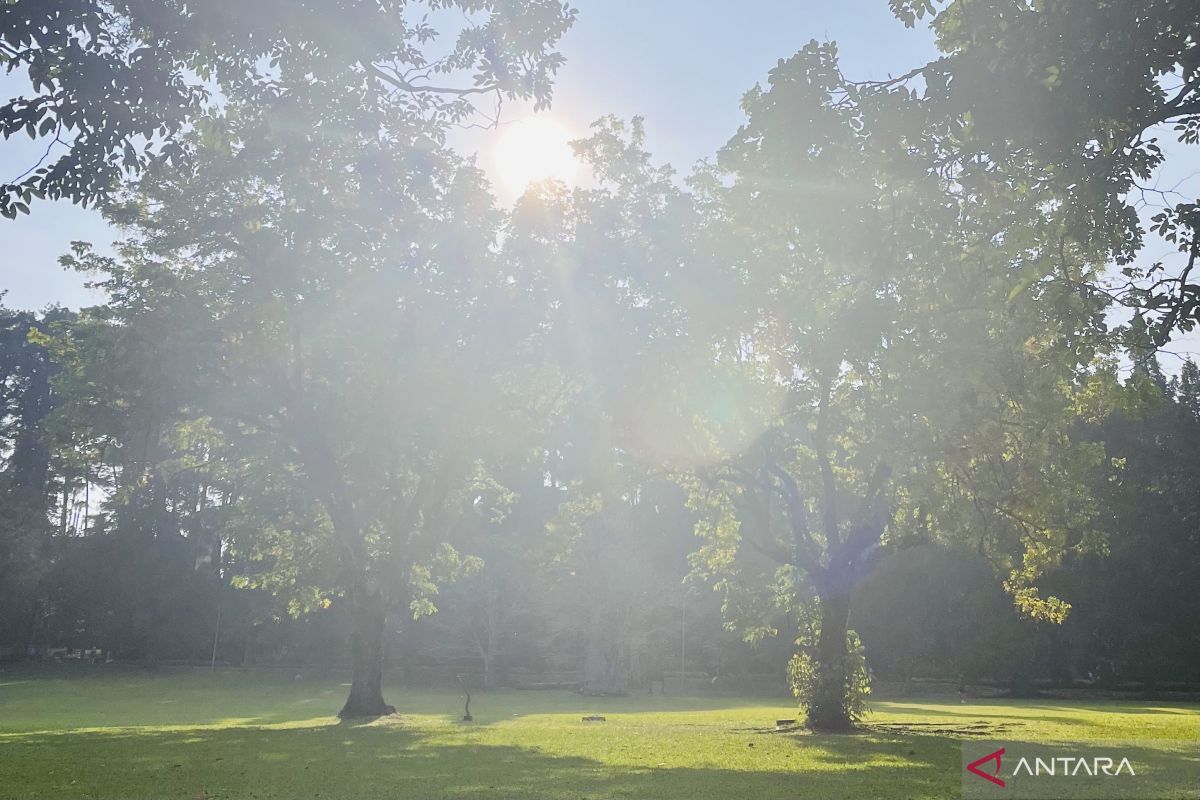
[{"x": 404, "y": 85}]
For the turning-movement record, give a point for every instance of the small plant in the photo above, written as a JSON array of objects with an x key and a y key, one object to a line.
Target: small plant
[{"x": 836, "y": 694}]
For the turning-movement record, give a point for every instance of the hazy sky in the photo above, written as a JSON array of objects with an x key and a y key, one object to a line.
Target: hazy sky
[{"x": 682, "y": 64}]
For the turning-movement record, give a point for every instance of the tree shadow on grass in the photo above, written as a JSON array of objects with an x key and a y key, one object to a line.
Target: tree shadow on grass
[
  {"x": 505, "y": 704},
  {"x": 1122, "y": 707},
  {"x": 389, "y": 761},
  {"x": 128, "y": 698},
  {"x": 977, "y": 713}
]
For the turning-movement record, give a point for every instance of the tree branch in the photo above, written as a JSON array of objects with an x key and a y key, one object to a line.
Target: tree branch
[
  {"x": 829, "y": 493},
  {"x": 404, "y": 85}
]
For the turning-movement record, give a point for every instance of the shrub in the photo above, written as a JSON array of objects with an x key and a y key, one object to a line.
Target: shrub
[{"x": 837, "y": 693}]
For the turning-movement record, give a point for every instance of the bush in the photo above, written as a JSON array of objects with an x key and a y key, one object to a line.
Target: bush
[{"x": 840, "y": 692}]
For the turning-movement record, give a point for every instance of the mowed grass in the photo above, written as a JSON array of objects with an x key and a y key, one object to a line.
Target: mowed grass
[{"x": 199, "y": 736}]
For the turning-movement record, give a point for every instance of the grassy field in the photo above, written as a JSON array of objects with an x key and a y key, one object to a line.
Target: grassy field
[{"x": 233, "y": 736}]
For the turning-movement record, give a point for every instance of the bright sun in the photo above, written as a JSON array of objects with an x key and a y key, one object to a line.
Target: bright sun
[{"x": 534, "y": 149}]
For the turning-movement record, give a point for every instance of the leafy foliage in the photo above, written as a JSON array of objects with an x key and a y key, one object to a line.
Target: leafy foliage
[
  {"x": 837, "y": 690},
  {"x": 1078, "y": 95},
  {"x": 115, "y": 86}
]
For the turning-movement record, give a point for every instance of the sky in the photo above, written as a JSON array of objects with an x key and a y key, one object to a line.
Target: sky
[
  {"x": 681, "y": 64},
  {"x": 684, "y": 66}
]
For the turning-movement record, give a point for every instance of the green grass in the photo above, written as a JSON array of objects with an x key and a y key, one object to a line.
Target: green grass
[{"x": 234, "y": 736}]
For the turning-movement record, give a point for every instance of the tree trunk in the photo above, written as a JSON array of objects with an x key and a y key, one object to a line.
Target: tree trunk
[
  {"x": 495, "y": 672},
  {"x": 603, "y": 666},
  {"x": 366, "y": 650},
  {"x": 601, "y": 670},
  {"x": 368, "y": 607},
  {"x": 828, "y": 711},
  {"x": 489, "y": 673}
]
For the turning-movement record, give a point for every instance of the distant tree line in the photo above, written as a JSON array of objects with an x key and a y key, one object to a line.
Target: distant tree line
[{"x": 604, "y": 608}]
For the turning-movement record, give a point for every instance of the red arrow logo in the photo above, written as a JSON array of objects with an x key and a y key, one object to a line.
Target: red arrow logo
[{"x": 974, "y": 769}]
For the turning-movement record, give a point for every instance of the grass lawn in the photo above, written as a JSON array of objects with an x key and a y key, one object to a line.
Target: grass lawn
[{"x": 235, "y": 736}]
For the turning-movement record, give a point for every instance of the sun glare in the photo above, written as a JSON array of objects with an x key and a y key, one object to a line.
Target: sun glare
[{"x": 532, "y": 150}]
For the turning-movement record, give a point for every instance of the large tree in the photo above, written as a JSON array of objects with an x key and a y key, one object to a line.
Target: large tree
[
  {"x": 832, "y": 347},
  {"x": 349, "y": 351},
  {"x": 911, "y": 374},
  {"x": 330, "y": 258}
]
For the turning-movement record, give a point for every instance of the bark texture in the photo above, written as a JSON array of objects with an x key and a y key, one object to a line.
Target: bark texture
[
  {"x": 828, "y": 710},
  {"x": 366, "y": 649}
]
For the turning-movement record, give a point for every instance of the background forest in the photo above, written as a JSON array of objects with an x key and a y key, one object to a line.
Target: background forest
[{"x": 606, "y": 609}]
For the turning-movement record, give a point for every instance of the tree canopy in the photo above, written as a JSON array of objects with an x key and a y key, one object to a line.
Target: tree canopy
[
  {"x": 1088, "y": 98},
  {"x": 115, "y": 87}
]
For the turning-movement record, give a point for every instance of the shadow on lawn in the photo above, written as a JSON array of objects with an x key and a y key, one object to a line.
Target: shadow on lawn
[
  {"x": 392, "y": 762},
  {"x": 985, "y": 712},
  {"x": 493, "y": 706},
  {"x": 1121, "y": 707},
  {"x": 397, "y": 762},
  {"x": 1020, "y": 715},
  {"x": 103, "y": 699}
]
